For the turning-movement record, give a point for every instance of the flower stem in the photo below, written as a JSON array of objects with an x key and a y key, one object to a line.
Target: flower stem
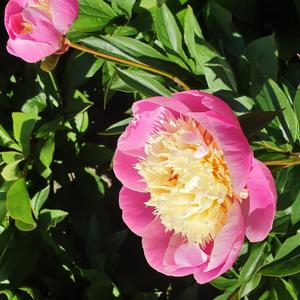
[{"x": 130, "y": 63}]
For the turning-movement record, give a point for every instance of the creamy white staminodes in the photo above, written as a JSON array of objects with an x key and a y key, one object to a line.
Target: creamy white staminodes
[{"x": 188, "y": 180}]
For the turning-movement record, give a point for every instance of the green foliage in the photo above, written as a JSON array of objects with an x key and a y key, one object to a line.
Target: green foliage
[{"x": 61, "y": 229}]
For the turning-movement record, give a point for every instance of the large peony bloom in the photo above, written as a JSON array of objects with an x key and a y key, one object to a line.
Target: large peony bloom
[
  {"x": 36, "y": 27},
  {"x": 192, "y": 188}
]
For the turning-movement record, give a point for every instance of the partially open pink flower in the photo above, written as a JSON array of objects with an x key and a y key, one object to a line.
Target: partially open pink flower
[
  {"x": 192, "y": 188},
  {"x": 36, "y": 27}
]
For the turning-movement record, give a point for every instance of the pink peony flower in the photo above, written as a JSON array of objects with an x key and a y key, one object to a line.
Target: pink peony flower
[
  {"x": 36, "y": 27},
  {"x": 192, "y": 188}
]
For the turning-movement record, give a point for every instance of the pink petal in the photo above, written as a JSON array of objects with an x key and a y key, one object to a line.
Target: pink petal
[
  {"x": 15, "y": 24},
  {"x": 64, "y": 13},
  {"x": 234, "y": 145},
  {"x": 13, "y": 7},
  {"x": 136, "y": 214},
  {"x": 227, "y": 236},
  {"x": 29, "y": 51},
  {"x": 189, "y": 255},
  {"x": 124, "y": 169},
  {"x": 160, "y": 248},
  {"x": 198, "y": 101},
  {"x": 150, "y": 104},
  {"x": 190, "y": 101},
  {"x": 226, "y": 247},
  {"x": 259, "y": 209},
  {"x": 43, "y": 30},
  {"x": 138, "y": 132}
]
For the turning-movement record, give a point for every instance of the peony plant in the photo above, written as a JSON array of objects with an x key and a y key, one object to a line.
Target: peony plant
[{"x": 191, "y": 186}]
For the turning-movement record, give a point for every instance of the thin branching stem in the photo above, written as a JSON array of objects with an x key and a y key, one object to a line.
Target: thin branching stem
[{"x": 129, "y": 63}]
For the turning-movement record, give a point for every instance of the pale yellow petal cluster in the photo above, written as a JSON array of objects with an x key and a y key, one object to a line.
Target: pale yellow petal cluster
[{"x": 188, "y": 180}]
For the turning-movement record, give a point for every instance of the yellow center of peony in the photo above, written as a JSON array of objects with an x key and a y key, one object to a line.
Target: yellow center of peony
[
  {"x": 27, "y": 27},
  {"x": 188, "y": 180},
  {"x": 41, "y": 4}
]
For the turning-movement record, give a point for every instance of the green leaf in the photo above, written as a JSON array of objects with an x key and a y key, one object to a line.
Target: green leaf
[
  {"x": 123, "y": 7},
  {"x": 44, "y": 156},
  {"x": 169, "y": 35},
  {"x": 10, "y": 295},
  {"x": 104, "y": 45},
  {"x": 99, "y": 183},
  {"x": 265, "y": 296},
  {"x": 143, "y": 83},
  {"x": 3, "y": 209},
  {"x": 51, "y": 217},
  {"x": 219, "y": 21},
  {"x": 253, "y": 122},
  {"x": 94, "y": 15},
  {"x": 79, "y": 69},
  {"x": 285, "y": 290},
  {"x": 136, "y": 48},
  {"x": 79, "y": 104},
  {"x": 297, "y": 105},
  {"x": 117, "y": 128},
  {"x": 228, "y": 295},
  {"x": 253, "y": 262},
  {"x": 82, "y": 122},
  {"x": 223, "y": 283},
  {"x": 11, "y": 171},
  {"x": 248, "y": 287},
  {"x": 295, "y": 216},
  {"x": 200, "y": 50},
  {"x": 286, "y": 261},
  {"x": 38, "y": 102},
  {"x": 23, "y": 124},
  {"x": 7, "y": 141},
  {"x": 18, "y": 204},
  {"x": 259, "y": 59},
  {"x": 101, "y": 286},
  {"x": 24, "y": 226},
  {"x": 219, "y": 75},
  {"x": 39, "y": 199},
  {"x": 32, "y": 292},
  {"x": 272, "y": 98}
]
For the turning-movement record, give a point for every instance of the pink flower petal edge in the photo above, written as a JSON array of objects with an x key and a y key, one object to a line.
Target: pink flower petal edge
[
  {"x": 260, "y": 207},
  {"x": 136, "y": 214}
]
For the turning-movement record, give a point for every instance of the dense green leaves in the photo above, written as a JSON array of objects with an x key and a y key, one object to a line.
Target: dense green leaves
[
  {"x": 93, "y": 15},
  {"x": 286, "y": 261}
]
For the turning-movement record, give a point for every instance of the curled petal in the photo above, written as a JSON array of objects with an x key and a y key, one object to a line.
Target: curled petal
[
  {"x": 124, "y": 168},
  {"x": 226, "y": 248},
  {"x": 169, "y": 253},
  {"x": 13, "y": 7},
  {"x": 135, "y": 213},
  {"x": 259, "y": 208},
  {"x": 139, "y": 131}
]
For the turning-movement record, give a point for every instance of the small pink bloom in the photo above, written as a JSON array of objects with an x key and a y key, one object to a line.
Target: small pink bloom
[
  {"x": 36, "y": 27},
  {"x": 192, "y": 188}
]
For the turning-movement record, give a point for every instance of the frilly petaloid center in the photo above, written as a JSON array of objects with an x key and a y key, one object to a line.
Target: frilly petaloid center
[
  {"x": 188, "y": 180},
  {"x": 40, "y": 4}
]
